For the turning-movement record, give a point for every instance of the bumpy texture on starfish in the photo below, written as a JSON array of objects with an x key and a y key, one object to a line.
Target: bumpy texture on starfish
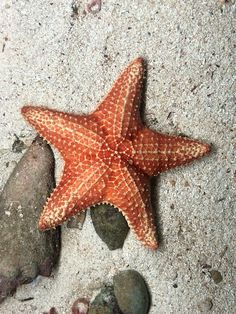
[{"x": 109, "y": 156}]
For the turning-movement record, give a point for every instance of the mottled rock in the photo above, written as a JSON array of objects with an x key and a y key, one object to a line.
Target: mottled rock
[
  {"x": 110, "y": 225},
  {"x": 105, "y": 302},
  {"x": 25, "y": 251},
  {"x": 131, "y": 292},
  {"x": 77, "y": 221}
]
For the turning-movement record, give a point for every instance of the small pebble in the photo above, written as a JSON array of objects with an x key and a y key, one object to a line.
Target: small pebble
[
  {"x": 80, "y": 306},
  {"x": 216, "y": 276},
  {"x": 205, "y": 305},
  {"x": 110, "y": 225},
  {"x": 131, "y": 292}
]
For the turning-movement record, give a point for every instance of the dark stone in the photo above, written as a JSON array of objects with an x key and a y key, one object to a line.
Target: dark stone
[
  {"x": 105, "y": 302},
  {"x": 110, "y": 225},
  {"x": 131, "y": 292},
  {"x": 26, "y": 251}
]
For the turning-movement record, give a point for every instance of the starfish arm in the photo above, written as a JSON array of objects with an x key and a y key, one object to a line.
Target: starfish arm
[
  {"x": 65, "y": 131},
  {"x": 153, "y": 152},
  {"x": 129, "y": 191},
  {"x": 75, "y": 192},
  {"x": 119, "y": 111}
]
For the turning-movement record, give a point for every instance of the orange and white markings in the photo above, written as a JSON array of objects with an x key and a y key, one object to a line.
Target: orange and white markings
[{"x": 109, "y": 156}]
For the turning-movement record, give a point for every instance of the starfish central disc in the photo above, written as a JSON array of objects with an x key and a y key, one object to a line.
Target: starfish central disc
[{"x": 110, "y": 155}]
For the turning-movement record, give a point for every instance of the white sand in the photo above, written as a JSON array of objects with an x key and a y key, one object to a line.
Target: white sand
[{"x": 53, "y": 59}]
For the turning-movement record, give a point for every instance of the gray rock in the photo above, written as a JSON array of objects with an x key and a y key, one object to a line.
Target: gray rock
[
  {"x": 105, "y": 302},
  {"x": 26, "y": 251},
  {"x": 131, "y": 292},
  {"x": 110, "y": 225}
]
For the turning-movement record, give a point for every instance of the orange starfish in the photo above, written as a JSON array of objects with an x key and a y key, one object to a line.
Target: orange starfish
[{"x": 109, "y": 156}]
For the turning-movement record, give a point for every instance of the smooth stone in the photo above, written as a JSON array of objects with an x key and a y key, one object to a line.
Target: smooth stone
[
  {"x": 110, "y": 225},
  {"x": 131, "y": 292},
  {"x": 26, "y": 251},
  {"x": 105, "y": 302}
]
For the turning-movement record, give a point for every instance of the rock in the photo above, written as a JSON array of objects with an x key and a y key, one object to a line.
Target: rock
[
  {"x": 110, "y": 225},
  {"x": 77, "y": 221},
  {"x": 131, "y": 292},
  {"x": 105, "y": 302},
  {"x": 26, "y": 251},
  {"x": 216, "y": 276}
]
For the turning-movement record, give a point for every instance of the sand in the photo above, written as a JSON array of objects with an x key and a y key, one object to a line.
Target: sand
[{"x": 52, "y": 55}]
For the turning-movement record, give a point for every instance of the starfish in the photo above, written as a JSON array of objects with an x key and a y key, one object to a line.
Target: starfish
[{"x": 110, "y": 156}]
